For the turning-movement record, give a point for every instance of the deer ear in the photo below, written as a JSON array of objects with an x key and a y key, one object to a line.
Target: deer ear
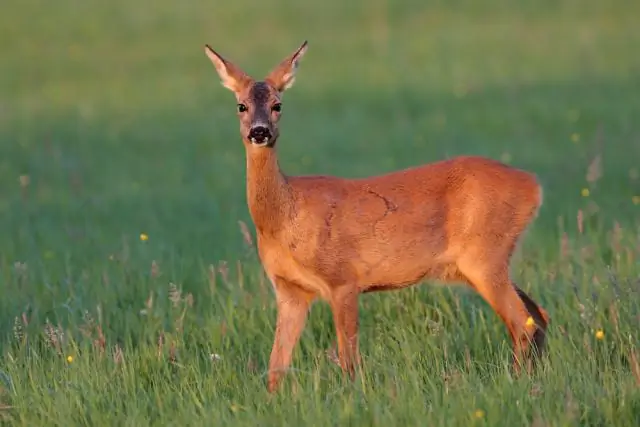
[
  {"x": 232, "y": 77},
  {"x": 283, "y": 76}
]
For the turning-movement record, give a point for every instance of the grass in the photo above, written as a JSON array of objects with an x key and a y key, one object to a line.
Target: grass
[{"x": 113, "y": 124}]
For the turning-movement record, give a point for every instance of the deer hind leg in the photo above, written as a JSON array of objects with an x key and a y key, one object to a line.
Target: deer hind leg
[
  {"x": 344, "y": 306},
  {"x": 293, "y": 305},
  {"x": 512, "y": 305}
]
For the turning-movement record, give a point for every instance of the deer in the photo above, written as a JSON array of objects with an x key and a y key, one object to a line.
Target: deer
[{"x": 332, "y": 239}]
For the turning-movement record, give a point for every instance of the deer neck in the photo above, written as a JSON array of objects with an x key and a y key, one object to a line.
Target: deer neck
[{"x": 268, "y": 193}]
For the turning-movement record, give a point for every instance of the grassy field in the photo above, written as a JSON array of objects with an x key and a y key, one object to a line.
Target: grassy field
[{"x": 114, "y": 128}]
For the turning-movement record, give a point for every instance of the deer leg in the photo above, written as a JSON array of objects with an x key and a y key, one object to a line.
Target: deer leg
[
  {"x": 498, "y": 291},
  {"x": 344, "y": 305},
  {"x": 293, "y": 306}
]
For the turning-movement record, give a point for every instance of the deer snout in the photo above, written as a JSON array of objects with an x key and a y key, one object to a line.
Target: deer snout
[{"x": 259, "y": 134}]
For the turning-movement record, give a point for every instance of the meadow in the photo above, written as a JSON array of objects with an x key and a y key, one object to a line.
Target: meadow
[{"x": 132, "y": 294}]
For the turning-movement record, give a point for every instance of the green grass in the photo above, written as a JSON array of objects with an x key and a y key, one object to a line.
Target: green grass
[{"x": 116, "y": 122}]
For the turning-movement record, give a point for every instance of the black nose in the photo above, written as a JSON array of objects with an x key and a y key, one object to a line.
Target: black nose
[{"x": 259, "y": 134}]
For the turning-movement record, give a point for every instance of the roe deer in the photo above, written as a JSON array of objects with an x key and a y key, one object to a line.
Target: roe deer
[{"x": 456, "y": 220}]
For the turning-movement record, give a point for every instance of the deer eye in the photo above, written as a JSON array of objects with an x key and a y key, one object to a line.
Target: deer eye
[
  {"x": 242, "y": 108},
  {"x": 277, "y": 107}
]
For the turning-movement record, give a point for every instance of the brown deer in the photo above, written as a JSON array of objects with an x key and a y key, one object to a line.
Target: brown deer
[{"x": 330, "y": 238}]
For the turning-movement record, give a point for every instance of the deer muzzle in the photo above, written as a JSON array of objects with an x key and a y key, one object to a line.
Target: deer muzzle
[{"x": 260, "y": 135}]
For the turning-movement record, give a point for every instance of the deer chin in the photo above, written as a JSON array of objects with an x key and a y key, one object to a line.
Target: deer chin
[{"x": 267, "y": 142}]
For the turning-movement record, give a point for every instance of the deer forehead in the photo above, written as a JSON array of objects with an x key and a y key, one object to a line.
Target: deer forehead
[{"x": 260, "y": 93}]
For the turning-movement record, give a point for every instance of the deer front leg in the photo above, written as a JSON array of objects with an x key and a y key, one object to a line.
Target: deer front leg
[
  {"x": 344, "y": 305},
  {"x": 293, "y": 306}
]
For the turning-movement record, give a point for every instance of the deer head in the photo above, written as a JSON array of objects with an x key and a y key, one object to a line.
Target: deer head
[{"x": 259, "y": 103}]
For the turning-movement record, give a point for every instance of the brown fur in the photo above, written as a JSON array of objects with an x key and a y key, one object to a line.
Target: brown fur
[{"x": 329, "y": 238}]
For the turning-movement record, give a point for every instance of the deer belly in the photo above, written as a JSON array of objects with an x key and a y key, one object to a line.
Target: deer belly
[{"x": 402, "y": 269}]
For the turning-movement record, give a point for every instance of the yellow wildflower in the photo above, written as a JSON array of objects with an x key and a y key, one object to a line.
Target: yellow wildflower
[
  {"x": 530, "y": 321},
  {"x": 479, "y": 413},
  {"x": 144, "y": 237},
  {"x": 599, "y": 334},
  {"x": 585, "y": 192},
  {"x": 69, "y": 359},
  {"x": 24, "y": 180}
]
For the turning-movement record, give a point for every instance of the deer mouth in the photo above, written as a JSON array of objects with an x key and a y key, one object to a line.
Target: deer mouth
[{"x": 261, "y": 142}]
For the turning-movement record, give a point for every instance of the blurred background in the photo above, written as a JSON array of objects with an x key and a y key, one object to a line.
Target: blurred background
[
  {"x": 113, "y": 122},
  {"x": 122, "y": 168},
  {"x": 119, "y": 122}
]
